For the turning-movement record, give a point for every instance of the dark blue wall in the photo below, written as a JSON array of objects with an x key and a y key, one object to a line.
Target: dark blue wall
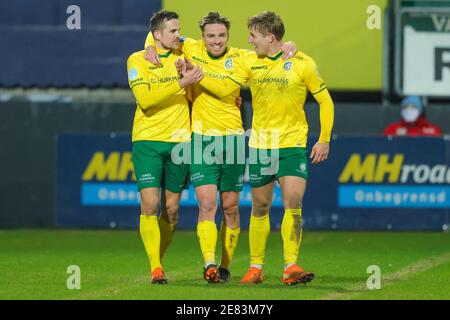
[{"x": 38, "y": 50}]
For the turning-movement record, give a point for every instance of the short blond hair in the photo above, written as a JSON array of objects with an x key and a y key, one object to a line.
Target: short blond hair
[{"x": 267, "y": 22}]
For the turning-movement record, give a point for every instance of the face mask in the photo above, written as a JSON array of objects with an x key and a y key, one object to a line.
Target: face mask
[{"x": 410, "y": 114}]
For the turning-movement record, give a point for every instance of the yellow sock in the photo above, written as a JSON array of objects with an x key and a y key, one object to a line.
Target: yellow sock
[
  {"x": 230, "y": 239},
  {"x": 259, "y": 231},
  {"x": 167, "y": 231},
  {"x": 207, "y": 235},
  {"x": 291, "y": 231},
  {"x": 151, "y": 237}
]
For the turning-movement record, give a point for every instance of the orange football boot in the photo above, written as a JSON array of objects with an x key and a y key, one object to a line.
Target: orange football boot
[
  {"x": 253, "y": 276},
  {"x": 158, "y": 276},
  {"x": 211, "y": 274},
  {"x": 295, "y": 275}
]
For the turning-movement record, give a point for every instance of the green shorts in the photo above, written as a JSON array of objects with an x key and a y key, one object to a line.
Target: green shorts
[
  {"x": 154, "y": 168},
  {"x": 266, "y": 165},
  {"x": 218, "y": 160}
]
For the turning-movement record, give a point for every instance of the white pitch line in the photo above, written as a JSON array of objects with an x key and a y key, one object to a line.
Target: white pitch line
[{"x": 392, "y": 278}]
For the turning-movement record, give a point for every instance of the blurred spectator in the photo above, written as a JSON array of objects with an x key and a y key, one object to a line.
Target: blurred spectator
[{"x": 413, "y": 122}]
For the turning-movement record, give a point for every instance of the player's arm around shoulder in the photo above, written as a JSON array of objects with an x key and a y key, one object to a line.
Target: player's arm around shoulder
[
  {"x": 221, "y": 88},
  {"x": 243, "y": 60}
]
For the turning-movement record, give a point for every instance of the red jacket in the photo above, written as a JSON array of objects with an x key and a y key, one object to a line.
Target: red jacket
[{"x": 419, "y": 128}]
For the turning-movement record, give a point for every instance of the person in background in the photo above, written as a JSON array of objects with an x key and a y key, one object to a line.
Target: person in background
[{"x": 413, "y": 122}]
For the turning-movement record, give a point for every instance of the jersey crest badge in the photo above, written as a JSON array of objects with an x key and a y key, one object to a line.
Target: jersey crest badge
[
  {"x": 228, "y": 64},
  {"x": 287, "y": 66},
  {"x": 302, "y": 167}
]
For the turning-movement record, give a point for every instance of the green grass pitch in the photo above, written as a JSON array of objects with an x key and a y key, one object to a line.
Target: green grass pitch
[{"x": 33, "y": 265}]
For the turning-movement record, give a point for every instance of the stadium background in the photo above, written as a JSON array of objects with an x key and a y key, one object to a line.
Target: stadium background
[
  {"x": 65, "y": 120},
  {"x": 59, "y": 84}
]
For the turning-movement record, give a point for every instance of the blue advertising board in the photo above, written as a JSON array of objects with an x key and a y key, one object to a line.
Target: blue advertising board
[
  {"x": 382, "y": 183},
  {"x": 96, "y": 186},
  {"x": 367, "y": 183}
]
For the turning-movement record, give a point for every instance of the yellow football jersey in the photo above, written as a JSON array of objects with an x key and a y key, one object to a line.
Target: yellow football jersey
[
  {"x": 212, "y": 113},
  {"x": 162, "y": 111},
  {"x": 279, "y": 89}
]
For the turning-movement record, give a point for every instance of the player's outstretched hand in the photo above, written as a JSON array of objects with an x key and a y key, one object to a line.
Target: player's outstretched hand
[
  {"x": 320, "y": 152},
  {"x": 289, "y": 50},
  {"x": 152, "y": 56}
]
